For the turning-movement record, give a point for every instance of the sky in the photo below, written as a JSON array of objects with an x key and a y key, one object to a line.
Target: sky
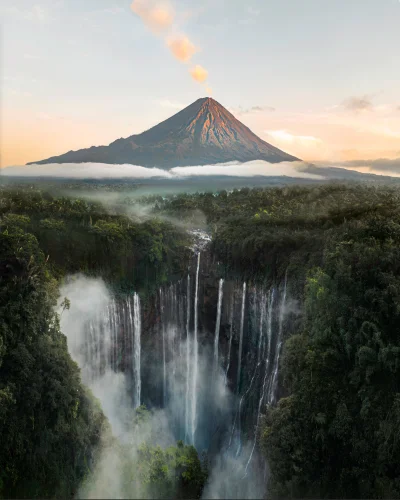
[{"x": 319, "y": 79}]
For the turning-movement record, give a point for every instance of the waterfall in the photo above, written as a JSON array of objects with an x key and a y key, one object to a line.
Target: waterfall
[
  {"x": 137, "y": 348},
  {"x": 111, "y": 343},
  {"x": 230, "y": 340},
  {"x": 191, "y": 366},
  {"x": 187, "y": 402},
  {"x": 253, "y": 378},
  {"x": 171, "y": 337},
  {"x": 271, "y": 298},
  {"x": 195, "y": 352},
  {"x": 218, "y": 323},
  {"x": 162, "y": 312},
  {"x": 133, "y": 320},
  {"x": 274, "y": 380},
  {"x": 131, "y": 336},
  {"x": 241, "y": 339}
]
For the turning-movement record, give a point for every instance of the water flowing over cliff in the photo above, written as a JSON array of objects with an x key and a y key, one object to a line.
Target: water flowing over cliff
[{"x": 205, "y": 350}]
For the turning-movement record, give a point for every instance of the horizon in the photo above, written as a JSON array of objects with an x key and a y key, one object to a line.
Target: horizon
[{"x": 317, "y": 107}]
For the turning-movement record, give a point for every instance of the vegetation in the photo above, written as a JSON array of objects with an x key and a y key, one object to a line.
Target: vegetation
[
  {"x": 81, "y": 236},
  {"x": 175, "y": 472},
  {"x": 336, "y": 435},
  {"x": 49, "y": 423},
  {"x": 333, "y": 435},
  {"x": 136, "y": 467}
]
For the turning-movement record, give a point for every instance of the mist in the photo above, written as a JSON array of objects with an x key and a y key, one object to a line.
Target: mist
[
  {"x": 109, "y": 171},
  {"x": 115, "y": 467}
]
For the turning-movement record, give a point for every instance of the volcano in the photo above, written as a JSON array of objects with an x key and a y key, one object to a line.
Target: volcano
[{"x": 203, "y": 133}]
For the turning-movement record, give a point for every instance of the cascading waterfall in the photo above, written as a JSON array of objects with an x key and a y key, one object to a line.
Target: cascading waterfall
[
  {"x": 218, "y": 323},
  {"x": 241, "y": 329},
  {"x": 187, "y": 401},
  {"x": 137, "y": 348},
  {"x": 261, "y": 302},
  {"x": 112, "y": 343},
  {"x": 241, "y": 339},
  {"x": 271, "y": 399},
  {"x": 271, "y": 298},
  {"x": 171, "y": 337},
  {"x": 230, "y": 340},
  {"x": 194, "y": 368},
  {"x": 196, "y": 353},
  {"x": 162, "y": 311}
]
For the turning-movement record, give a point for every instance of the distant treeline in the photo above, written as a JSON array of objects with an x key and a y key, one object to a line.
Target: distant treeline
[{"x": 77, "y": 235}]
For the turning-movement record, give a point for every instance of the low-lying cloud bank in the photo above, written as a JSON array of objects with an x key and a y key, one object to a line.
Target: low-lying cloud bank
[
  {"x": 106, "y": 171},
  {"x": 381, "y": 166}
]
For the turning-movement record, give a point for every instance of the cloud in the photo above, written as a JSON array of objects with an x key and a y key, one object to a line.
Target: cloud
[
  {"x": 108, "y": 171},
  {"x": 248, "y": 169},
  {"x": 383, "y": 166},
  {"x": 363, "y": 103},
  {"x": 181, "y": 48},
  {"x": 85, "y": 171},
  {"x": 199, "y": 74},
  {"x": 166, "y": 103},
  {"x": 284, "y": 136},
  {"x": 252, "y": 110},
  {"x": 158, "y": 17}
]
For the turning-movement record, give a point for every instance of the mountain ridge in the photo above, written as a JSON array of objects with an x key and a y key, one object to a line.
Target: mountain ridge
[{"x": 202, "y": 133}]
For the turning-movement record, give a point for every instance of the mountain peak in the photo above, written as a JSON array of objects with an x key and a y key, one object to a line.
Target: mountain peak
[{"x": 202, "y": 133}]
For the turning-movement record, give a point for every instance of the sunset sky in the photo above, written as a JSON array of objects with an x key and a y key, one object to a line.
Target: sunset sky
[{"x": 319, "y": 79}]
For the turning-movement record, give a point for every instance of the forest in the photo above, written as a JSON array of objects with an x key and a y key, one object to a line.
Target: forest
[{"x": 334, "y": 431}]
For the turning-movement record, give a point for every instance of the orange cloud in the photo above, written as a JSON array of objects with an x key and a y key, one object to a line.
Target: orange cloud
[
  {"x": 159, "y": 17},
  {"x": 181, "y": 47},
  {"x": 156, "y": 16},
  {"x": 199, "y": 73}
]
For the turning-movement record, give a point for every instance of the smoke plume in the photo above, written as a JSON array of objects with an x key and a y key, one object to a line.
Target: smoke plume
[
  {"x": 181, "y": 47},
  {"x": 199, "y": 74},
  {"x": 159, "y": 17}
]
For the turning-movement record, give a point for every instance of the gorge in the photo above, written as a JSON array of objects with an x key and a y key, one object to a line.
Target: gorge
[
  {"x": 204, "y": 350},
  {"x": 238, "y": 344}
]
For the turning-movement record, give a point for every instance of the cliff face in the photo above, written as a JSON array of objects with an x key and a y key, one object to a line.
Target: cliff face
[{"x": 203, "y": 133}]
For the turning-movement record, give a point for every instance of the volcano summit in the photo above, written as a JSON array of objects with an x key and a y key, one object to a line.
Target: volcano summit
[{"x": 203, "y": 133}]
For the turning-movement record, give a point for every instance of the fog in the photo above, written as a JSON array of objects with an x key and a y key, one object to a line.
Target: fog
[
  {"x": 115, "y": 465},
  {"x": 108, "y": 171},
  {"x": 382, "y": 166}
]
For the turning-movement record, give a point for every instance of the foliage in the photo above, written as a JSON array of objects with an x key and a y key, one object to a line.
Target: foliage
[
  {"x": 336, "y": 435},
  {"x": 49, "y": 423},
  {"x": 174, "y": 472},
  {"x": 81, "y": 236}
]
